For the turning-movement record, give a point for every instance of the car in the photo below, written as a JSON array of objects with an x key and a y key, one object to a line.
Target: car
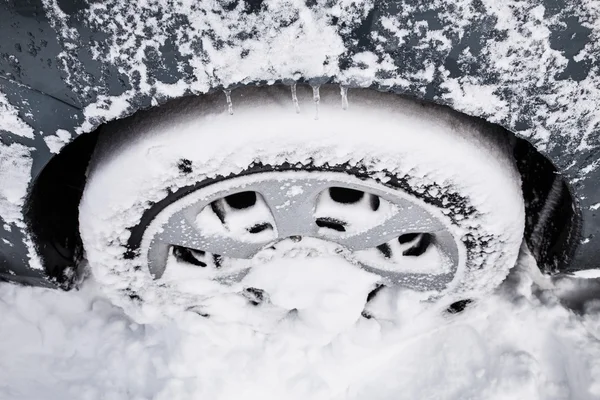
[{"x": 429, "y": 143}]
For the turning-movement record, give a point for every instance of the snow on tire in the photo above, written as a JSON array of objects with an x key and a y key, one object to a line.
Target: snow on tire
[{"x": 461, "y": 170}]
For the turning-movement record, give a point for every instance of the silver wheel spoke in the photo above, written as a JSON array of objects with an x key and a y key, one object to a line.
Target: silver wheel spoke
[
  {"x": 181, "y": 232},
  {"x": 400, "y": 223},
  {"x": 293, "y": 206}
]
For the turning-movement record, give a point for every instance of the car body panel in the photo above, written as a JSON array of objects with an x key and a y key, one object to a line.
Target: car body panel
[{"x": 67, "y": 66}]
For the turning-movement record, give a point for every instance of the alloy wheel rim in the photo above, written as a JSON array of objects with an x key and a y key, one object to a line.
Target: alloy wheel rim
[{"x": 384, "y": 230}]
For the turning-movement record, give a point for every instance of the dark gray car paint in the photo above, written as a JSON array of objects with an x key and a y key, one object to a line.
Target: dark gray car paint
[{"x": 33, "y": 78}]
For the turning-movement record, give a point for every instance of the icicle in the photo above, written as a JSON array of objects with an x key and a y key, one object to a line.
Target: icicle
[
  {"x": 317, "y": 99},
  {"x": 344, "y": 93},
  {"x": 229, "y": 103},
  {"x": 295, "y": 98}
]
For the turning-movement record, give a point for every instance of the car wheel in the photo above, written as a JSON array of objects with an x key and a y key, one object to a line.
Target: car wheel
[{"x": 198, "y": 192}]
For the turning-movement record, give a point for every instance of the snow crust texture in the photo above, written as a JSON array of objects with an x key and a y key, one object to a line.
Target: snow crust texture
[
  {"x": 529, "y": 66},
  {"x": 15, "y": 170},
  {"x": 519, "y": 343},
  {"x": 15, "y": 164},
  {"x": 10, "y": 121},
  {"x": 57, "y": 141}
]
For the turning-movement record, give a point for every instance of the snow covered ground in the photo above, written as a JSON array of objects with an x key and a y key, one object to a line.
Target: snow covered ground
[{"x": 520, "y": 343}]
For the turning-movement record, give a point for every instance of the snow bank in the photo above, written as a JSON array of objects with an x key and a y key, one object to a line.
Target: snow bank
[{"x": 519, "y": 343}]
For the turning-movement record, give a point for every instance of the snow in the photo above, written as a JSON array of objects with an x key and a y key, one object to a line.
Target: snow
[
  {"x": 588, "y": 273},
  {"x": 11, "y": 121},
  {"x": 56, "y": 142},
  {"x": 224, "y": 45},
  {"x": 15, "y": 165},
  {"x": 519, "y": 343},
  {"x": 15, "y": 172}
]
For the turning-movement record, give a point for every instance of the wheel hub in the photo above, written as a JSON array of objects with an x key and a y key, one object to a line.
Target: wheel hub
[{"x": 231, "y": 225}]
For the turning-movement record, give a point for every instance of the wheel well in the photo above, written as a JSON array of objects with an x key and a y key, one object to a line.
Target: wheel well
[
  {"x": 52, "y": 209},
  {"x": 553, "y": 221},
  {"x": 52, "y": 212}
]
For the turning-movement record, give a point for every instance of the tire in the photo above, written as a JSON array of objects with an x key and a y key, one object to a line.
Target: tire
[{"x": 461, "y": 169}]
